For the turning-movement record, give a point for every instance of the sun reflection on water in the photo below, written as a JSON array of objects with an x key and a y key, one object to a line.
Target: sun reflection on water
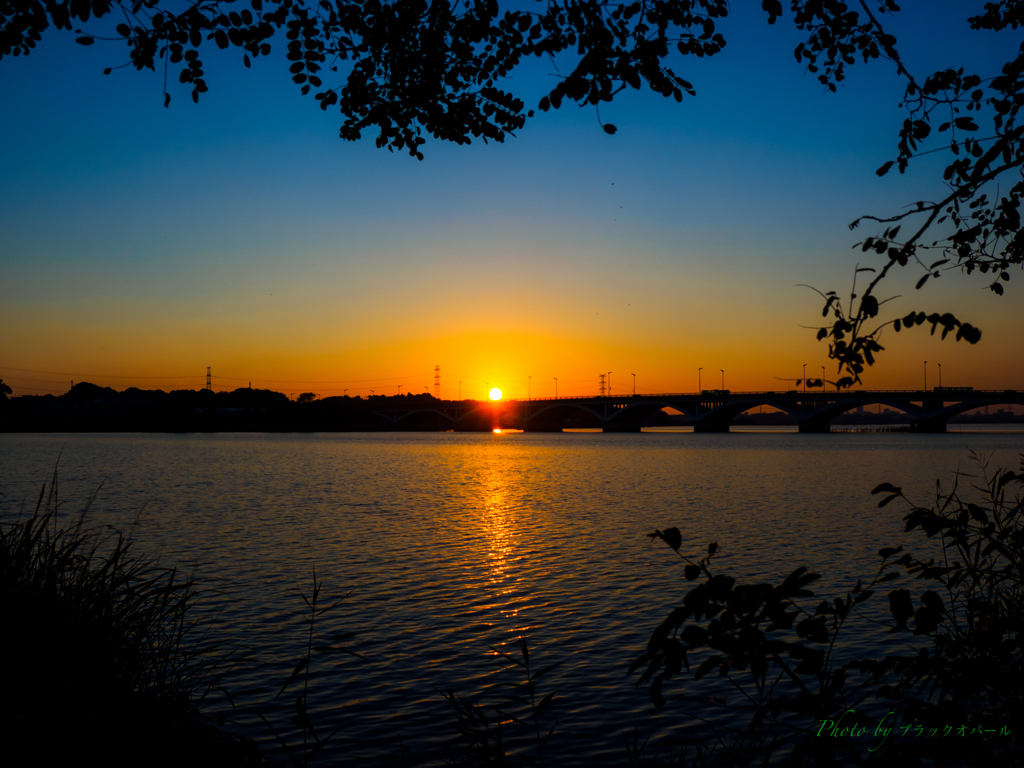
[{"x": 498, "y": 522}]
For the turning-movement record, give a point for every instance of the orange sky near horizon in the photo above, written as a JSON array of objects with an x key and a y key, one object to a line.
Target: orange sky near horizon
[
  {"x": 501, "y": 322},
  {"x": 520, "y": 363}
]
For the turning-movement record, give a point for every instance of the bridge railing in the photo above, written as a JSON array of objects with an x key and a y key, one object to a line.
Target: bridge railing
[{"x": 855, "y": 394}]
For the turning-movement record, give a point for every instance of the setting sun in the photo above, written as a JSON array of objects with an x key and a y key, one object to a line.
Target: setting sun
[{"x": 495, "y": 394}]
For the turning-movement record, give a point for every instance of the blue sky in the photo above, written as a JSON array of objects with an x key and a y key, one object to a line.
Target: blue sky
[{"x": 242, "y": 233}]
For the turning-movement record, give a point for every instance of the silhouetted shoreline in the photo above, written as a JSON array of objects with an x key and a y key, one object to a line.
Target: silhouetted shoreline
[{"x": 87, "y": 407}]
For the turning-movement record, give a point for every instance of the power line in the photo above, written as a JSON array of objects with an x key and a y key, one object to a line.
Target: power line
[
  {"x": 97, "y": 375},
  {"x": 312, "y": 381},
  {"x": 42, "y": 381},
  {"x": 79, "y": 374}
]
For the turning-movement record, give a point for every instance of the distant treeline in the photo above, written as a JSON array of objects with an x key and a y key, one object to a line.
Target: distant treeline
[{"x": 87, "y": 407}]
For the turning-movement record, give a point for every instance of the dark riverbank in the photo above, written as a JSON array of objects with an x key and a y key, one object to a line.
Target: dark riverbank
[{"x": 90, "y": 408}]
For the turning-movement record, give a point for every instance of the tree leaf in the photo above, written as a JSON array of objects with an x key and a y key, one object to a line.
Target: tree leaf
[
  {"x": 901, "y": 607},
  {"x": 773, "y": 9},
  {"x": 706, "y": 666},
  {"x": 670, "y": 536},
  {"x": 656, "y": 698}
]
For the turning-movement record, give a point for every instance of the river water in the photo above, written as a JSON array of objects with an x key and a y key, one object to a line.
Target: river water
[{"x": 449, "y": 544}]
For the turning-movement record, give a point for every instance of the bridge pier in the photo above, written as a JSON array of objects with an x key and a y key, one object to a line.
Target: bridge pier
[
  {"x": 929, "y": 426},
  {"x": 927, "y": 423},
  {"x": 815, "y": 426},
  {"x": 710, "y": 426},
  {"x": 477, "y": 422},
  {"x": 611, "y": 426},
  {"x": 544, "y": 422}
]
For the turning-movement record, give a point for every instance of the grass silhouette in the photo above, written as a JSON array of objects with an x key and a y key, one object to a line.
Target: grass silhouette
[
  {"x": 312, "y": 742},
  {"x": 481, "y": 740},
  {"x": 97, "y": 652}
]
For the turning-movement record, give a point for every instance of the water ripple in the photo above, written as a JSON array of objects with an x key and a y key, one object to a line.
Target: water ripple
[{"x": 450, "y": 544}]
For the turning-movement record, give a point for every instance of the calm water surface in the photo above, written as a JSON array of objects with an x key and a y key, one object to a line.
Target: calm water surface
[{"x": 451, "y": 543}]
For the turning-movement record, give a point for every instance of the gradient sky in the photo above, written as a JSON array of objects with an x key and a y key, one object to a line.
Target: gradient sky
[{"x": 139, "y": 245}]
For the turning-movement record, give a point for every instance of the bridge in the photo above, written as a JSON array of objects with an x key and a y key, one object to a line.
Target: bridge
[{"x": 711, "y": 410}]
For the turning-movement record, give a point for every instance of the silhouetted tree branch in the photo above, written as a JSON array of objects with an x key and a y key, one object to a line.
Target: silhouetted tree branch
[
  {"x": 971, "y": 231},
  {"x": 408, "y": 67}
]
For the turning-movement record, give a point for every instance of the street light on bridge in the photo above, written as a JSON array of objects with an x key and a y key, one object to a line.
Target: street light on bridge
[
  {"x": 609, "y": 383},
  {"x": 805, "y": 379},
  {"x": 940, "y": 375},
  {"x": 723, "y": 377},
  {"x": 529, "y": 383},
  {"x": 556, "y": 386},
  {"x": 925, "y": 375},
  {"x": 634, "y": 383},
  {"x": 699, "y": 390}
]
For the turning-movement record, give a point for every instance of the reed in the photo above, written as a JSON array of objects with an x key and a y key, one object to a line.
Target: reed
[
  {"x": 96, "y": 654},
  {"x": 480, "y": 739},
  {"x": 312, "y": 742}
]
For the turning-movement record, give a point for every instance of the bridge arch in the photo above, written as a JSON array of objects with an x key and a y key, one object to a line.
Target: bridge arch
[
  {"x": 551, "y": 417},
  {"x": 709, "y": 411},
  {"x": 831, "y": 410}
]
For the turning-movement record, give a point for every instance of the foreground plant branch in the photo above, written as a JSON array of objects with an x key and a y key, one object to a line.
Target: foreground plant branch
[{"x": 961, "y": 670}]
